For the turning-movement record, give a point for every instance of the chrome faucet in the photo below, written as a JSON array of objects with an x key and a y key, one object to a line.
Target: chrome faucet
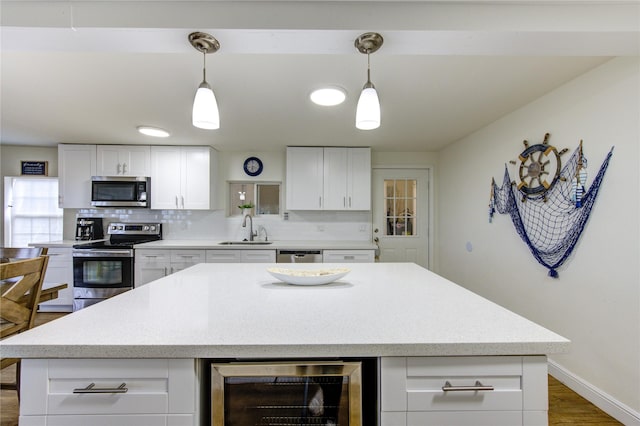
[{"x": 244, "y": 225}]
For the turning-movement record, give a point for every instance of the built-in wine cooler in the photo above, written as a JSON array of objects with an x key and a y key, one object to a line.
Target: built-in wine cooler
[{"x": 328, "y": 393}]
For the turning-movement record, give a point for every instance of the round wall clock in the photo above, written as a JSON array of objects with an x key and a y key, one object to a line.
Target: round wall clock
[{"x": 253, "y": 166}]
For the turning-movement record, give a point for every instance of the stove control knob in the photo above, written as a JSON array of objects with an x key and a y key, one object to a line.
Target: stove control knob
[
  {"x": 153, "y": 228},
  {"x": 120, "y": 227},
  {"x": 145, "y": 228}
]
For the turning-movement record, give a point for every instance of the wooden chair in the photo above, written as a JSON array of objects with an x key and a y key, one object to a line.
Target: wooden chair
[
  {"x": 20, "y": 287},
  {"x": 10, "y": 254}
]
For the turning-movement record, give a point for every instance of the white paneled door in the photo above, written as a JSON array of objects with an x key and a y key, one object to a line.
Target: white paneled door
[{"x": 401, "y": 215}]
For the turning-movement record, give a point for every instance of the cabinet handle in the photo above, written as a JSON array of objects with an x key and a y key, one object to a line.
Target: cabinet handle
[
  {"x": 319, "y": 201},
  {"x": 349, "y": 257},
  {"x": 177, "y": 202},
  {"x": 477, "y": 387},
  {"x": 182, "y": 199},
  {"x": 349, "y": 201},
  {"x": 344, "y": 201},
  {"x": 92, "y": 389},
  {"x": 124, "y": 168},
  {"x": 118, "y": 169}
]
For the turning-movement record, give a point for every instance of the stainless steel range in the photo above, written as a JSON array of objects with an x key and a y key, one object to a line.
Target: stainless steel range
[{"x": 103, "y": 269}]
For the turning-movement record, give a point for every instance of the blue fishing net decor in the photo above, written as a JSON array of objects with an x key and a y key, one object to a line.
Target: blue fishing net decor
[{"x": 551, "y": 220}]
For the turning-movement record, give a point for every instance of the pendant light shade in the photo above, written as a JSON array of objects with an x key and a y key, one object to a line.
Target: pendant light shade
[
  {"x": 205, "y": 113},
  {"x": 368, "y": 109}
]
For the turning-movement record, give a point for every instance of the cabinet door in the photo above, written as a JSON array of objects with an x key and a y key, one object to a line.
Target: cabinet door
[
  {"x": 108, "y": 160},
  {"x": 224, "y": 256},
  {"x": 304, "y": 178},
  {"x": 335, "y": 179},
  {"x": 359, "y": 179},
  {"x": 59, "y": 271},
  {"x": 182, "y": 259},
  {"x": 348, "y": 256},
  {"x": 259, "y": 256},
  {"x": 151, "y": 265},
  {"x": 136, "y": 161},
  {"x": 123, "y": 160},
  {"x": 195, "y": 178},
  {"x": 165, "y": 177},
  {"x": 76, "y": 165}
]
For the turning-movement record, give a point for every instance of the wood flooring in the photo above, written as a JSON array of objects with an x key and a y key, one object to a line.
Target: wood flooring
[{"x": 565, "y": 406}]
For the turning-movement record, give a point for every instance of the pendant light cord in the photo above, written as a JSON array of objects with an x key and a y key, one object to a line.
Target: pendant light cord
[{"x": 204, "y": 66}]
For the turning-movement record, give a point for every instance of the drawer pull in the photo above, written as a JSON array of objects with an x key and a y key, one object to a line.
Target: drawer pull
[
  {"x": 92, "y": 389},
  {"x": 477, "y": 387}
]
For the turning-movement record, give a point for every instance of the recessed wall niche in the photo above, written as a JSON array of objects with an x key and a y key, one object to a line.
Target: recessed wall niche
[{"x": 265, "y": 196}]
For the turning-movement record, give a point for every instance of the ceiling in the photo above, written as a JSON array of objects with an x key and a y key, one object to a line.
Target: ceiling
[{"x": 91, "y": 71}]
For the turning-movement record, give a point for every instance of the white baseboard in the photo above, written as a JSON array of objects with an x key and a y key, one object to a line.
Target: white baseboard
[{"x": 597, "y": 397}]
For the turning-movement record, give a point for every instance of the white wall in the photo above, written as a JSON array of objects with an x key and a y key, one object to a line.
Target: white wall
[{"x": 595, "y": 302}]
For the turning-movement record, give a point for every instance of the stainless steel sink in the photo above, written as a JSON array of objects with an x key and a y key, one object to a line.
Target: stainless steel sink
[{"x": 245, "y": 243}]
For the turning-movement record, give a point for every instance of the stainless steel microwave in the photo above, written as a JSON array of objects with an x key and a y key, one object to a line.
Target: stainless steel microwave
[{"x": 120, "y": 191}]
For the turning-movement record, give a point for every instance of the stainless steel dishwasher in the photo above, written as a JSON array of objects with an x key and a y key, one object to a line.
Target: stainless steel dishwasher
[{"x": 299, "y": 256}]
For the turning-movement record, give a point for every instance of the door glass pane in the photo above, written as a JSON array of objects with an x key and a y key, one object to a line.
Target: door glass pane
[{"x": 400, "y": 200}]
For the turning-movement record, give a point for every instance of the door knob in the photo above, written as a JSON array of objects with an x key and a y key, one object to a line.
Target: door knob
[{"x": 375, "y": 230}]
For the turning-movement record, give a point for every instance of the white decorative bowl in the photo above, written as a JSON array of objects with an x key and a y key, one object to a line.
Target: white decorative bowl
[{"x": 308, "y": 276}]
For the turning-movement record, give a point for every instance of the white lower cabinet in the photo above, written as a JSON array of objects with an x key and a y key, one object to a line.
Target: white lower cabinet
[
  {"x": 150, "y": 265},
  {"x": 158, "y": 392},
  {"x": 59, "y": 271},
  {"x": 182, "y": 259},
  {"x": 241, "y": 256},
  {"x": 348, "y": 256},
  {"x": 475, "y": 391},
  {"x": 258, "y": 256},
  {"x": 153, "y": 264}
]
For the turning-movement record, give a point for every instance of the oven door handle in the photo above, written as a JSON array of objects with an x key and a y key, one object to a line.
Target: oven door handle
[{"x": 103, "y": 253}]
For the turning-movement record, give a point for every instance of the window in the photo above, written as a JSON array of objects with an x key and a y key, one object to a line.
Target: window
[
  {"x": 400, "y": 199},
  {"x": 31, "y": 211}
]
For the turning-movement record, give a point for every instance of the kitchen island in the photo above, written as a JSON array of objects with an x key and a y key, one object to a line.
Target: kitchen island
[{"x": 397, "y": 312}]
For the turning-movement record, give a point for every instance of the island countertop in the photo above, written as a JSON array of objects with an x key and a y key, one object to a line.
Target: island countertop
[{"x": 241, "y": 311}]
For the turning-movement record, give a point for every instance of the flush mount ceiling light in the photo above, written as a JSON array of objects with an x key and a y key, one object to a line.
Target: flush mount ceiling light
[
  {"x": 368, "y": 109},
  {"x": 205, "y": 113},
  {"x": 328, "y": 96},
  {"x": 153, "y": 131}
]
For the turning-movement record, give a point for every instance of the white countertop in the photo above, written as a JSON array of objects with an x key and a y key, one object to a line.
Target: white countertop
[
  {"x": 239, "y": 310},
  {"x": 275, "y": 245},
  {"x": 215, "y": 244}
]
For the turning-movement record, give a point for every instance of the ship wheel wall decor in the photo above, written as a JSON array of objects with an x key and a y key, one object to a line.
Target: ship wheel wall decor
[
  {"x": 550, "y": 205},
  {"x": 539, "y": 168}
]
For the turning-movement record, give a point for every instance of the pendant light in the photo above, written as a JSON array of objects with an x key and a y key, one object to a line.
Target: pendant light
[
  {"x": 205, "y": 113},
  {"x": 368, "y": 109}
]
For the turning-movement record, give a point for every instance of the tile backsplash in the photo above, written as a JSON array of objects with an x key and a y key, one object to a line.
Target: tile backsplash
[{"x": 215, "y": 225}]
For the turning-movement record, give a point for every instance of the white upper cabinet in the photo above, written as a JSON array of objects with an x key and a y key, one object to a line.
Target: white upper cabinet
[
  {"x": 123, "y": 160},
  {"x": 183, "y": 177},
  {"x": 347, "y": 178},
  {"x": 304, "y": 178},
  {"x": 76, "y": 165},
  {"x": 328, "y": 178}
]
